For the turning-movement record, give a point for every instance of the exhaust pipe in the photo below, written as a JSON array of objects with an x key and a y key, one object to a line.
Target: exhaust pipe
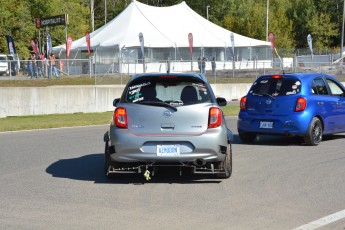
[{"x": 199, "y": 162}]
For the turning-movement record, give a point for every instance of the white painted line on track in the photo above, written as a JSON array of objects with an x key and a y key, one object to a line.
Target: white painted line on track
[{"x": 323, "y": 221}]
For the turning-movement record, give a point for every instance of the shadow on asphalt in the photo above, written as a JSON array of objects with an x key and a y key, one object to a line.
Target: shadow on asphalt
[{"x": 90, "y": 168}]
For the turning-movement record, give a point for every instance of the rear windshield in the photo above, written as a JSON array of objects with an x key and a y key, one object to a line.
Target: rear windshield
[
  {"x": 3, "y": 58},
  {"x": 176, "y": 91},
  {"x": 276, "y": 87}
]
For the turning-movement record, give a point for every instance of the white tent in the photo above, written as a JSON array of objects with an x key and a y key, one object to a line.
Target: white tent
[{"x": 162, "y": 27}]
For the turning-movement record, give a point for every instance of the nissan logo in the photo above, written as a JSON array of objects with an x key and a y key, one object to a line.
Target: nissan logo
[
  {"x": 167, "y": 113},
  {"x": 268, "y": 101}
]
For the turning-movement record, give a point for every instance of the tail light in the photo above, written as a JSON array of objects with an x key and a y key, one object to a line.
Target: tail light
[
  {"x": 120, "y": 117},
  {"x": 215, "y": 117},
  {"x": 301, "y": 104},
  {"x": 243, "y": 103}
]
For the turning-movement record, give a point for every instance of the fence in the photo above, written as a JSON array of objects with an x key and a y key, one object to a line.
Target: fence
[{"x": 99, "y": 67}]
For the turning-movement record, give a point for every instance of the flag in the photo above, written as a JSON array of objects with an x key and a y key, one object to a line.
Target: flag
[
  {"x": 49, "y": 44},
  {"x": 310, "y": 43},
  {"x": 34, "y": 47},
  {"x": 232, "y": 39},
  {"x": 190, "y": 40},
  {"x": 68, "y": 46},
  {"x": 141, "y": 39},
  {"x": 88, "y": 42},
  {"x": 271, "y": 38},
  {"x": 10, "y": 44}
]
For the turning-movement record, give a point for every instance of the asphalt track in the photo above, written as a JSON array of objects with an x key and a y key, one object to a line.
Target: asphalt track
[{"x": 53, "y": 179}]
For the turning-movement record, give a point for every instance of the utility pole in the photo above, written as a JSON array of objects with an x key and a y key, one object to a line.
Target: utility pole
[
  {"x": 105, "y": 12},
  {"x": 267, "y": 6},
  {"x": 342, "y": 35},
  {"x": 92, "y": 11}
]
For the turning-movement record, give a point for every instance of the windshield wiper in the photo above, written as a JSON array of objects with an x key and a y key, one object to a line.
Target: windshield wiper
[
  {"x": 157, "y": 103},
  {"x": 264, "y": 94}
]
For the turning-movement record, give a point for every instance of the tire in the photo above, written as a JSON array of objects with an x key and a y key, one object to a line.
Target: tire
[
  {"x": 107, "y": 161},
  {"x": 247, "y": 137},
  {"x": 225, "y": 165},
  {"x": 314, "y": 134}
]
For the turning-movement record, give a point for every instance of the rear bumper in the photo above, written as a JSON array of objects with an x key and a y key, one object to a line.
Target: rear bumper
[
  {"x": 207, "y": 147},
  {"x": 152, "y": 168},
  {"x": 284, "y": 125}
]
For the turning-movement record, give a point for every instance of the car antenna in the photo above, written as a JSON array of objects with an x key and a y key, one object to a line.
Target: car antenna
[{"x": 281, "y": 61}]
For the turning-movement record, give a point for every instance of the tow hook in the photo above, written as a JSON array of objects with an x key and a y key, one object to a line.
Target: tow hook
[{"x": 147, "y": 175}]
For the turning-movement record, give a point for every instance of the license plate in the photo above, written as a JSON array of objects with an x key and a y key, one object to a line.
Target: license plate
[
  {"x": 168, "y": 150},
  {"x": 266, "y": 124}
]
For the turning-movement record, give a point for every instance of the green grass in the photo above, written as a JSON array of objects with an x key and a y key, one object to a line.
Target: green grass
[
  {"x": 70, "y": 120},
  {"x": 99, "y": 81}
]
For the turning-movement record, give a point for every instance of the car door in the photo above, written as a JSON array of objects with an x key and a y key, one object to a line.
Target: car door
[
  {"x": 338, "y": 97},
  {"x": 325, "y": 104}
]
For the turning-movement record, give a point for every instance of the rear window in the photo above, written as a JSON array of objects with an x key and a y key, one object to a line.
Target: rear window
[
  {"x": 176, "y": 91},
  {"x": 3, "y": 58},
  {"x": 276, "y": 87}
]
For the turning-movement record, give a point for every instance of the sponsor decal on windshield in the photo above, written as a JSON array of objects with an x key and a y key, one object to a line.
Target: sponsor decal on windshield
[{"x": 139, "y": 85}]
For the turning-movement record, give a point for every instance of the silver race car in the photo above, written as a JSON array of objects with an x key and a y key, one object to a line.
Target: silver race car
[{"x": 164, "y": 120}]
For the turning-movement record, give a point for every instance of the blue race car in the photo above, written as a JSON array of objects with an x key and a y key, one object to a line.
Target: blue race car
[{"x": 303, "y": 104}]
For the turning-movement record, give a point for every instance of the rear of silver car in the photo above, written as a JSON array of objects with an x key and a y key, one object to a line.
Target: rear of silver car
[{"x": 165, "y": 120}]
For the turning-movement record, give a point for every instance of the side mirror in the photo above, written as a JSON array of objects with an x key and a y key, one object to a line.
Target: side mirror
[
  {"x": 221, "y": 101},
  {"x": 116, "y": 101}
]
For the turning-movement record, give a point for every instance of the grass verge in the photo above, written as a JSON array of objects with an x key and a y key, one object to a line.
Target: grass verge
[{"x": 70, "y": 120}]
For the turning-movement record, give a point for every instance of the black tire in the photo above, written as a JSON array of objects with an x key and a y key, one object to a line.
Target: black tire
[
  {"x": 225, "y": 165},
  {"x": 107, "y": 161},
  {"x": 314, "y": 134},
  {"x": 247, "y": 137}
]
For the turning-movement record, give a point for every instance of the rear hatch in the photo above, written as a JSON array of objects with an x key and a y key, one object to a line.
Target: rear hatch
[
  {"x": 273, "y": 95},
  {"x": 157, "y": 120},
  {"x": 168, "y": 105}
]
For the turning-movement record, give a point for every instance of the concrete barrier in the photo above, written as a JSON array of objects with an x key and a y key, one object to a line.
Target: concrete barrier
[{"x": 21, "y": 101}]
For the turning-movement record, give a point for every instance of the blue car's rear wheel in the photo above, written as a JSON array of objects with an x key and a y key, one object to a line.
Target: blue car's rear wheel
[{"x": 314, "y": 134}]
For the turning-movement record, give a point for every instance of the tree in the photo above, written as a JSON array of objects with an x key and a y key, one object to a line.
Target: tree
[
  {"x": 281, "y": 25},
  {"x": 17, "y": 23},
  {"x": 322, "y": 30}
]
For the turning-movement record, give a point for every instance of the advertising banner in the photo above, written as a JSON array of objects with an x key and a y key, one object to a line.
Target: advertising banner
[
  {"x": 271, "y": 38},
  {"x": 52, "y": 21},
  {"x": 49, "y": 44},
  {"x": 10, "y": 44},
  {"x": 68, "y": 46},
  {"x": 88, "y": 43},
  {"x": 141, "y": 40},
  {"x": 34, "y": 47},
  {"x": 190, "y": 40},
  {"x": 232, "y": 40},
  {"x": 310, "y": 43}
]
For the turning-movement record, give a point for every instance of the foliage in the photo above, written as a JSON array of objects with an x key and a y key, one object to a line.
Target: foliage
[
  {"x": 290, "y": 20},
  {"x": 17, "y": 19}
]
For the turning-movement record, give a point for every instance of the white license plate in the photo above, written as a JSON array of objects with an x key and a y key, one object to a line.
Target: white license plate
[
  {"x": 168, "y": 150},
  {"x": 266, "y": 124}
]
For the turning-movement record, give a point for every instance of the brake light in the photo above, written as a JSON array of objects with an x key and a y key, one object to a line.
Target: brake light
[
  {"x": 301, "y": 104},
  {"x": 243, "y": 102},
  {"x": 215, "y": 117},
  {"x": 277, "y": 77},
  {"x": 120, "y": 117}
]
